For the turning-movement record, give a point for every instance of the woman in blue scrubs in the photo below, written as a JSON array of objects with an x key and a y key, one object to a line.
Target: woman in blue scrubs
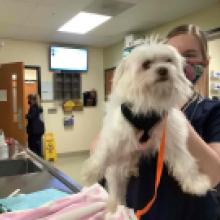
[{"x": 203, "y": 117}]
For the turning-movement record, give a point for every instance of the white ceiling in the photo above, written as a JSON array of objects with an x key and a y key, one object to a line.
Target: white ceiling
[{"x": 38, "y": 20}]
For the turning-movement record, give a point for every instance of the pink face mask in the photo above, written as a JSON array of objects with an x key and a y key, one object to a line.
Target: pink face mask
[{"x": 193, "y": 72}]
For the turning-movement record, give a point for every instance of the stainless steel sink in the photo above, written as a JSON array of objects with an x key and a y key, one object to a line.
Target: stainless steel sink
[{"x": 17, "y": 167}]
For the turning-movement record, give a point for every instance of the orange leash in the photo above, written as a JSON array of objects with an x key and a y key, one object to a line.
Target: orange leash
[{"x": 160, "y": 159}]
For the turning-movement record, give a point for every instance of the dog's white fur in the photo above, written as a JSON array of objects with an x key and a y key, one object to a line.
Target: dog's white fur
[{"x": 116, "y": 155}]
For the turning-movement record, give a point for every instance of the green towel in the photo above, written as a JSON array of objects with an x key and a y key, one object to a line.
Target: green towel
[{"x": 32, "y": 200}]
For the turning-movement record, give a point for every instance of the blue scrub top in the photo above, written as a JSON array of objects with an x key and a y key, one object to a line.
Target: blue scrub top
[{"x": 171, "y": 202}]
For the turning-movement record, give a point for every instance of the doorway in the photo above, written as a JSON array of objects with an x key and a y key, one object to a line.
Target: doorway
[
  {"x": 108, "y": 81},
  {"x": 32, "y": 83}
]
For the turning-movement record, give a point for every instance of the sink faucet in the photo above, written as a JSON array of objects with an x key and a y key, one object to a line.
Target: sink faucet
[{"x": 22, "y": 154}]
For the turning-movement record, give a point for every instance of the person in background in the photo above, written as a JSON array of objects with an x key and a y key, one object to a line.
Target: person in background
[
  {"x": 35, "y": 125},
  {"x": 203, "y": 117}
]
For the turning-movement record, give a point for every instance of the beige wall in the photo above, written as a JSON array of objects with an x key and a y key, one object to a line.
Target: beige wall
[
  {"x": 206, "y": 19},
  {"x": 88, "y": 121},
  {"x": 112, "y": 55},
  {"x": 214, "y": 65},
  {"x": 214, "y": 48}
]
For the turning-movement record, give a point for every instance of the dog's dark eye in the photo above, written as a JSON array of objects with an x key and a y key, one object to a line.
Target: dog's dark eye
[
  {"x": 146, "y": 64},
  {"x": 169, "y": 60}
]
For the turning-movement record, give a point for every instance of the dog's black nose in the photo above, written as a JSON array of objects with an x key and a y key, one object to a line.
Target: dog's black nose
[{"x": 162, "y": 71}]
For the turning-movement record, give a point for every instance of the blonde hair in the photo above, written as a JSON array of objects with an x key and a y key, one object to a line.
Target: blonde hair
[
  {"x": 35, "y": 98},
  {"x": 195, "y": 31}
]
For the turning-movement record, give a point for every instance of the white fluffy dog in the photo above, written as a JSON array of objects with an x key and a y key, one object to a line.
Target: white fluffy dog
[{"x": 150, "y": 79}]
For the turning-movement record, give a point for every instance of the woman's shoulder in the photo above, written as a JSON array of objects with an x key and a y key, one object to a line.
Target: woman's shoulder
[
  {"x": 204, "y": 115},
  {"x": 208, "y": 108},
  {"x": 202, "y": 108},
  {"x": 38, "y": 108},
  {"x": 210, "y": 104}
]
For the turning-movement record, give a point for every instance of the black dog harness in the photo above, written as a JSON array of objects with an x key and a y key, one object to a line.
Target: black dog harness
[{"x": 140, "y": 121}]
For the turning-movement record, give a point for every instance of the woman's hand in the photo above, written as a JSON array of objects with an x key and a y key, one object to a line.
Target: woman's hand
[{"x": 207, "y": 155}]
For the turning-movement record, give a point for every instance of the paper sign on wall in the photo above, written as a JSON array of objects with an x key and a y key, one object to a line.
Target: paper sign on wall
[
  {"x": 3, "y": 95},
  {"x": 47, "y": 91}
]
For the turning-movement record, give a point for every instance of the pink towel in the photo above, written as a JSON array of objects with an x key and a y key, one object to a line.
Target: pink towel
[{"x": 89, "y": 204}]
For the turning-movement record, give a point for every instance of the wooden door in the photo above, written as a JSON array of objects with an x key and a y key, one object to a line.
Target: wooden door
[
  {"x": 108, "y": 81},
  {"x": 12, "y": 115}
]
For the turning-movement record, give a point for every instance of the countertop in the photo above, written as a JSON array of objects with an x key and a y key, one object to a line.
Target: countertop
[{"x": 48, "y": 177}]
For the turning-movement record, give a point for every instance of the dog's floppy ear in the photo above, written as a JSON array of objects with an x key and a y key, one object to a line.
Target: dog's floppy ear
[{"x": 118, "y": 73}]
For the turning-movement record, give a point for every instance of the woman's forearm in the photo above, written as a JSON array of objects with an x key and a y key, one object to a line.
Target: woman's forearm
[{"x": 207, "y": 157}]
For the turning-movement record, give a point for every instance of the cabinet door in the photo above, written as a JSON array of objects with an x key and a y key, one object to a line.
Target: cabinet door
[
  {"x": 76, "y": 86},
  {"x": 58, "y": 86}
]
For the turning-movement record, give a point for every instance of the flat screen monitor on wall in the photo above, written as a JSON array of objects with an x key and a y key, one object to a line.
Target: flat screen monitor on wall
[{"x": 68, "y": 59}]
